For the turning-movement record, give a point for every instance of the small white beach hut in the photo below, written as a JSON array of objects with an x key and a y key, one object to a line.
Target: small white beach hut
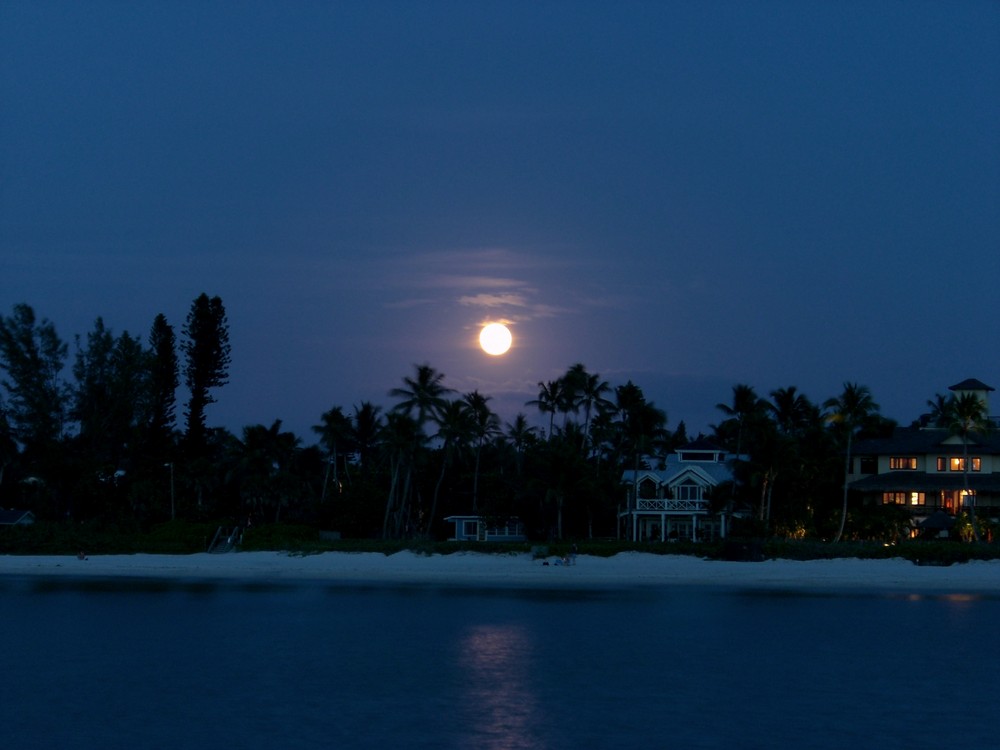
[{"x": 479, "y": 529}]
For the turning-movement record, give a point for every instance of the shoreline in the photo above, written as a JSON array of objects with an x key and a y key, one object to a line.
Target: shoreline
[{"x": 628, "y": 570}]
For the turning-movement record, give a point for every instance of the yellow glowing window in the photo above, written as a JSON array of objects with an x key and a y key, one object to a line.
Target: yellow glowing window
[
  {"x": 903, "y": 462},
  {"x": 958, "y": 464},
  {"x": 917, "y": 498}
]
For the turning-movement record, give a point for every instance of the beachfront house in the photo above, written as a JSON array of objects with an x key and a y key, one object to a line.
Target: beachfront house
[
  {"x": 479, "y": 529},
  {"x": 16, "y": 518},
  {"x": 923, "y": 467},
  {"x": 674, "y": 502}
]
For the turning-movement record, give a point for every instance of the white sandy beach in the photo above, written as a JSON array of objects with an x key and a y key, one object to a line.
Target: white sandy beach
[{"x": 474, "y": 569}]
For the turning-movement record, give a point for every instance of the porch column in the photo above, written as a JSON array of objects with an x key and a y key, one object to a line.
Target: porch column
[
  {"x": 635, "y": 525},
  {"x": 663, "y": 527},
  {"x": 694, "y": 528}
]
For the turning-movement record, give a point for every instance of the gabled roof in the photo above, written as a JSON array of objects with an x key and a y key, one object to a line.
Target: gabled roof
[
  {"x": 14, "y": 517},
  {"x": 971, "y": 384},
  {"x": 711, "y": 472}
]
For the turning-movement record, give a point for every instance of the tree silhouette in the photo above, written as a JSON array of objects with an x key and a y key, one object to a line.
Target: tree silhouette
[
  {"x": 367, "y": 427},
  {"x": 550, "y": 396},
  {"x": 485, "y": 424},
  {"x": 163, "y": 379},
  {"x": 455, "y": 429},
  {"x": 32, "y": 355},
  {"x": 849, "y": 411},
  {"x": 587, "y": 391},
  {"x": 422, "y": 396},
  {"x": 965, "y": 415},
  {"x": 206, "y": 348},
  {"x": 335, "y": 435}
]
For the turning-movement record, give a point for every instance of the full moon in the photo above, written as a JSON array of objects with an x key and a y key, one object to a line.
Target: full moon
[{"x": 495, "y": 338}]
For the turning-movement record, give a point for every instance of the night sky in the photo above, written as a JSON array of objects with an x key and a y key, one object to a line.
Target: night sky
[{"x": 689, "y": 195}]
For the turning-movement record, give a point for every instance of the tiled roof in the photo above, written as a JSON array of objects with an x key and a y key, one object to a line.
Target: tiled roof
[
  {"x": 911, "y": 441},
  {"x": 971, "y": 384}
]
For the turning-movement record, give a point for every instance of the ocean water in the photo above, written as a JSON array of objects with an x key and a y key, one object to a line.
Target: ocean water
[{"x": 119, "y": 664}]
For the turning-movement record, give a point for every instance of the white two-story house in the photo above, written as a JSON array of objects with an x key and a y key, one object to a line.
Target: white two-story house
[{"x": 674, "y": 502}]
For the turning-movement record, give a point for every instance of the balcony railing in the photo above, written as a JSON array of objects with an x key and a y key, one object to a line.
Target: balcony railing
[{"x": 672, "y": 505}]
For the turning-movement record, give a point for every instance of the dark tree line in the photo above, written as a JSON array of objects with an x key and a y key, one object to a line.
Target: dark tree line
[
  {"x": 100, "y": 443},
  {"x": 103, "y": 444}
]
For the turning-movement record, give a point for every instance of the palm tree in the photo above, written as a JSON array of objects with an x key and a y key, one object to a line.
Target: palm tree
[
  {"x": 773, "y": 453},
  {"x": 790, "y": 409},
  {"x": 335, "y": 433},
  {"x": 588, "y": 392},
  {"x": 402, "y": 436},
  {"x": 520, "y": 435},
  {"x": 265, "y": 461},
  {"x": 563, "y": 473},
  {"x": 550, "y": 396},
  {"x": 746, "y": 405},
  {"x": 940, "y": 406},
  {"x": 849, "y": 410},
  {"x": 485, "y": 424},
  {"x": 454, "y": 430},
  {"x": 966, "y": 414},
  {"x": 642, "y": 425},
  {"x": 423, "y": 395},
  {"x": 366, "y": 432}
]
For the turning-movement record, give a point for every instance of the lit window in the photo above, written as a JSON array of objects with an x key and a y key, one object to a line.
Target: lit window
[
  {"x": 917, "y": 498},
  {"x": 942, "y": 463},
  {"x": 903, "y": 462},
  {"x": 893, "y": 498},
  {"x": 958, "y": 464}
]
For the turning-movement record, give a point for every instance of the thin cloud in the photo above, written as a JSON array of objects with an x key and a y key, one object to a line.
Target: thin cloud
[
  {"x": 494, "y": 300},
  {"x": 451, "y": 281},
  {"x": 491, "y": 279}
]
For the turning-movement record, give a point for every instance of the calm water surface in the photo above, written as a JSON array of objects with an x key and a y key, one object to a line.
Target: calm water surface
[{"x": 155, "y": 665}]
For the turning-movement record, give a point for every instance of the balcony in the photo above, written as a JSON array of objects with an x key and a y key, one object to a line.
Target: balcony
[{"x": 664, "y": 505}]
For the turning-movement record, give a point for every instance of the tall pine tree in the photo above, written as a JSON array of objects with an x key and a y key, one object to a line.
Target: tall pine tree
[
  {"x": 163, "y": 380},
  {"x": 206, "y": 349},
  {"x": 32, "y": 355}
]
